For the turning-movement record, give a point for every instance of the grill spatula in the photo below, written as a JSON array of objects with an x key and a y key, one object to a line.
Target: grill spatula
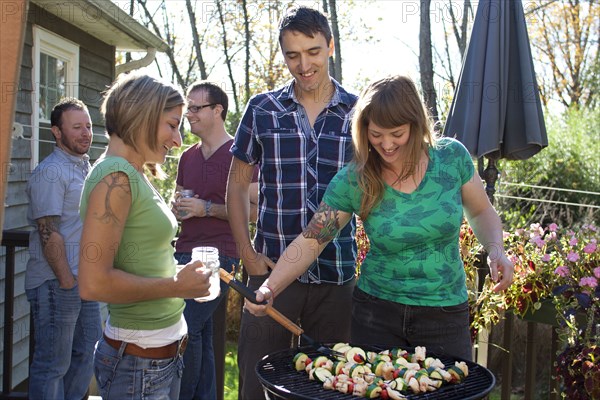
[{"x": 276, "y": 315}]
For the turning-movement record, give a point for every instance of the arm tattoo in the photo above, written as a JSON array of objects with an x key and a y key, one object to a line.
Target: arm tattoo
[
  {"x": 324, "y": 225},
  {"x": 46, "y": 226},
  {"x": 115, "y": 182}
]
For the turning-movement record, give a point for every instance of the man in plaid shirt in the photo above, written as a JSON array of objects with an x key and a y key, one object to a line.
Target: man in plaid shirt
[{"x": 299, "y": 135}]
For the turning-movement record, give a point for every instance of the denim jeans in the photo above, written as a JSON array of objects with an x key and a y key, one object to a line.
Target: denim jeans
[
  {"x": 443, "y": 330},
  {"x": 199, "y": 376},
  {"x": 125, "y": 377},
  {"x": 66, "y": 331}
]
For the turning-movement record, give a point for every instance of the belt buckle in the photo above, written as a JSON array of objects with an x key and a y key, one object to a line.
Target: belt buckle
[{"x": 182, "y": 345}]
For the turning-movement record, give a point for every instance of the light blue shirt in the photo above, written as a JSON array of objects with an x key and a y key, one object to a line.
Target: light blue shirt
[{"x": 54, "y": 188}]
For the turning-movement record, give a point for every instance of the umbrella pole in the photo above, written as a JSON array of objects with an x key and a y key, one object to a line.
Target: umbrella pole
[{"x": 490, "y": 176}]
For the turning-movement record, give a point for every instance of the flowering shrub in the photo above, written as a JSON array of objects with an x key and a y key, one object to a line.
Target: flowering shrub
[
  {"x": 560, "y": 264},
  {"x": 362, "y": 243}
]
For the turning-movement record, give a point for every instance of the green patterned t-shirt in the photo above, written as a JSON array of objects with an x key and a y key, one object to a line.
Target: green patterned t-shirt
[{"x": 414, "y": 257}]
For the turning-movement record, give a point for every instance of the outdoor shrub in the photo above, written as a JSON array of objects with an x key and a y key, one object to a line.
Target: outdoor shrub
[{"x": 570, "y": 161}]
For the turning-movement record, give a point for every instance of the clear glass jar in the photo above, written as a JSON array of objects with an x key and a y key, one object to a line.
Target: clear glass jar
[{"x": 210, "y": 258}]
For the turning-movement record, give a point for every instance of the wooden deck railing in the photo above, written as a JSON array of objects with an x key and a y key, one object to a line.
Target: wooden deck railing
[{"x": 530, "y": 357}]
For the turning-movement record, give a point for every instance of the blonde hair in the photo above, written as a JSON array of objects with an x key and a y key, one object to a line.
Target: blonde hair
[
  {"x": 133, "y": 106},
  {"x": 389, "y": 102}
]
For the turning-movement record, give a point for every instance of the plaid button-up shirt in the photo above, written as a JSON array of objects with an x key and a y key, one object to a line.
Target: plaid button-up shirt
[{"x": 296, "y": 163}]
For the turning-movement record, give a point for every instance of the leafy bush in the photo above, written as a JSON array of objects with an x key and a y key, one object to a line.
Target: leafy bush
[
  {"x": 550, "y": 263},
  {"x": 570, "y": 161}
]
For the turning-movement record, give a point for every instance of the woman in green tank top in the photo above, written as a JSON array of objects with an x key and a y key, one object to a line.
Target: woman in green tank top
[{"x": 127, "y": 258}]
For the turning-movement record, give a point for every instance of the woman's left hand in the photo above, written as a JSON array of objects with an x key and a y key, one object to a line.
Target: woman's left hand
[{"x": 502, "y": 271}]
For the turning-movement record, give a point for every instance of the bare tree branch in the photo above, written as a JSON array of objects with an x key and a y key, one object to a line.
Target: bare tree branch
[
  {"x": 196, "y": 39},
  {"x": 168, "y": 39},
  {"x": 227, "y": 57}
]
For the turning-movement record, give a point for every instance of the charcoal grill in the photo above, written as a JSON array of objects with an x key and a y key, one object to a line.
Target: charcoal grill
[{"x": 281, "y": 381}]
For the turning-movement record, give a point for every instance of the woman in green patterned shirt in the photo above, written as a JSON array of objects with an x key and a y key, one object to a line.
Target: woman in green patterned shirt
[{"x": 410, "y": 189}]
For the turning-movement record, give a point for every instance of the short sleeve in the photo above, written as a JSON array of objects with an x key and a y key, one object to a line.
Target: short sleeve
[
  {"x": 245, "y": 147},
  {"x": 342, "y": 191},
  {"x": 47, "y": 188},
  {"x": 181, "y": 169},
  {"x": 466, "y": 167}
]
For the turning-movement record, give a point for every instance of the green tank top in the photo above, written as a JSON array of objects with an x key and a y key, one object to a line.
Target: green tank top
[{"x": 145, "y": 248}]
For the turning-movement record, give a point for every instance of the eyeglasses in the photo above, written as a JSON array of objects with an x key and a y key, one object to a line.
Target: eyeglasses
[{"x": 195, "y": 109}]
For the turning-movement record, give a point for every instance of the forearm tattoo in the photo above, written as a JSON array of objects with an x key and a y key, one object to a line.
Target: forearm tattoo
[
  {"x": 324, "y": 225},
  {"x": 46, "y": 226},
  {"x": 118, "y": 185}
]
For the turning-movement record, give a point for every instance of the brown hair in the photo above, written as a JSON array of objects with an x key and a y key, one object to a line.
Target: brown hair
[
  {"x": 389, "y": 102},
  {"x": 133, "y": 106}
]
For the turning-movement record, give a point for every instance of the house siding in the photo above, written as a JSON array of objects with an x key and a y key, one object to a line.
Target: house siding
[{"x": 96, "y": 72}]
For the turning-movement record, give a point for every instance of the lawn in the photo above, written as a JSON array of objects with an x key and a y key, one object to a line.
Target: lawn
[{"x": 231, "y": 371}]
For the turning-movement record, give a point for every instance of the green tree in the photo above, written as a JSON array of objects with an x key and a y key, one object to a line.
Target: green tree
[{"x": 530, "y": 190}]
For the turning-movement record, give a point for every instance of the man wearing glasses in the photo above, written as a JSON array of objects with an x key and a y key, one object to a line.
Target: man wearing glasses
[{"x": 203, "y": 169}]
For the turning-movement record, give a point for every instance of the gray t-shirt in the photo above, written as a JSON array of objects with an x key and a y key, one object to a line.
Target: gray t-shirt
[{"x": 54, "y": 188}]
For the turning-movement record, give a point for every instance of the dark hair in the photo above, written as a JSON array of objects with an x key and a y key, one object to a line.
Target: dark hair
[
  {"x": 65, "y": 104},
  {"x": 305, "y": 20},
  {"x": 215, "y": 94}
]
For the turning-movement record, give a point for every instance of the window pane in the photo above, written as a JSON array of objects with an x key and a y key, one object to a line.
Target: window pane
[
  {"x": 43, "y": 111},
  {"x": 52, "y": 83}
]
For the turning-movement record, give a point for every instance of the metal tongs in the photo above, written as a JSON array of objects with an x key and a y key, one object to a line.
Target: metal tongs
[{"x": 242, "y": 289}]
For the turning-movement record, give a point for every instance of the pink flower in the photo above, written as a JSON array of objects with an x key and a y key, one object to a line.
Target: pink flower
[
  {"x": 546, "y": 257},
  {"x": 539, "y": 242},
  {"x": 536, "y": 227},
  {"x": 573, "y": 241},
  {"x": 572, "y": 256},
  {"x": 562, "y": 271},
  {"x": 589, "y": 281},
  {"x": 520, "y": 232},
  {"x": 552, "y": 236},
  {"x": 597, "y": 272},
  {"x": 589, "y": 248},
  {"x": 552, "y": 227}
]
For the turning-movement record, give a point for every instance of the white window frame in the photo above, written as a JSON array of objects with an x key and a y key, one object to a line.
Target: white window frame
[{"x": 60, "y": 48}]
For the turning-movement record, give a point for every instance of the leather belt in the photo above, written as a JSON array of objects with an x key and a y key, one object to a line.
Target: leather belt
[{"x": 169, "y": 351}]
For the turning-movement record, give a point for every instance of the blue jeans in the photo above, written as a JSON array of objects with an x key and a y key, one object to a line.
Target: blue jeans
[
  {"x": 199, "y": 376},
  {"x": 66, "y": 330},
  {"x": 442, "y": 330},
  {"x": 122, "y": 376}
]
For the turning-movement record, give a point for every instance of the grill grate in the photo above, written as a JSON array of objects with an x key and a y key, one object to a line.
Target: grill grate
[{"x": 281, "y": 380}]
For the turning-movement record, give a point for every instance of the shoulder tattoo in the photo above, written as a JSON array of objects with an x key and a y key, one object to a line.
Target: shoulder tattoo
[
  {"x": 324, "y": 225},
  {"x": 117, "y": 185}
]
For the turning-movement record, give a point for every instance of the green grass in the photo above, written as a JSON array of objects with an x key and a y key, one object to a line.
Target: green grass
[{"x": 231, "y": 371}]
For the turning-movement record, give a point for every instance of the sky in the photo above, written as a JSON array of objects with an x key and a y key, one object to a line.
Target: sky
[{"x": 390, "y": 46}]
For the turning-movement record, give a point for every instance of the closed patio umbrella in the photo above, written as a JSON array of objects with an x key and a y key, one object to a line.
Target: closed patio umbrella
[{"x": 496, "y": 110}]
